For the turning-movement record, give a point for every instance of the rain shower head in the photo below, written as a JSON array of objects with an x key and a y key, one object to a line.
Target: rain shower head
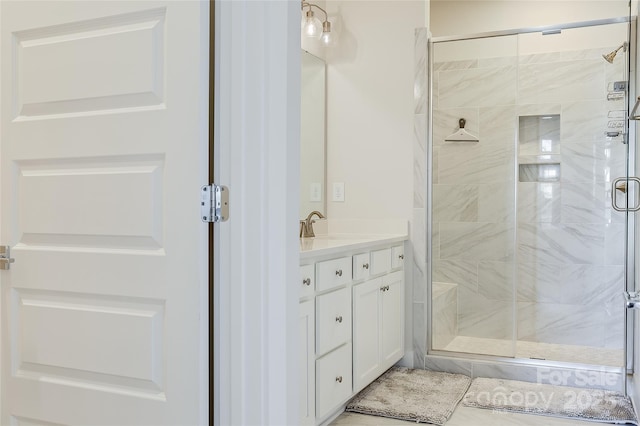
[{"x": 609, "y": 57}]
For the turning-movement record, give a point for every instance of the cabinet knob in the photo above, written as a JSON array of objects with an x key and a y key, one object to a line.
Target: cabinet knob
[
  {"x": 339, "y": 272},
  {"x": 382, "y": 289},
  {"x": 401, "y": 256},
  {"x": 339, "y": 318},
  {"x": 365, "y": 266},
  {"x": 339, "y": 379},
  {"x": 387, "y": 288},
  {"x": 306, "y": 281}
]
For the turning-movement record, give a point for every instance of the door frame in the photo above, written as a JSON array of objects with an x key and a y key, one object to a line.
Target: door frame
[{"x": 257, "y": 132}]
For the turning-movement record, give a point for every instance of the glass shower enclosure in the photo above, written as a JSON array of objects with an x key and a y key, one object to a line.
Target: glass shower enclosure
[{"x": 527, "y": 255}]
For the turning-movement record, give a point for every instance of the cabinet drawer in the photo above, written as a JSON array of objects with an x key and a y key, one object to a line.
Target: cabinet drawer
[
  {"x": 333, "y": 273},
  {"x": 307, "y": 280},
  {"x": 333, "y": 380},
  {"x": 397, "y": 257},
  {"x": 333, "y": 320},
  {"x": 361, "y": 265},
  {"x": 380, "y": 261}
]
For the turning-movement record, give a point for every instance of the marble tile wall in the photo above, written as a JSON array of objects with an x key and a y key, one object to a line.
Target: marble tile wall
[
  {"x": 559, "y": 241},
  {"x": 418, "y": 234}
]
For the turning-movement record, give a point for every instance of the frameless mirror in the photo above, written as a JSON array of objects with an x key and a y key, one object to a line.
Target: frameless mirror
[{"x": 312, "y": 136}]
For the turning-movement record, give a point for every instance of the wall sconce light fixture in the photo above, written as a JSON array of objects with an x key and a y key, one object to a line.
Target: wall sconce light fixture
[
  {"x": 634, "y": 115},
  {"x": 312, "y": 27}
]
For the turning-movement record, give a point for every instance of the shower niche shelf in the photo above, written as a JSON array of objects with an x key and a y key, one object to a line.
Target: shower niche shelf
[{"x": 539, "y": 148}]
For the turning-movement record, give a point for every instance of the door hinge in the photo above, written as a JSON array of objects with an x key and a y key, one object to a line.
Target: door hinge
[
  {"x": 214, "y": 203},
  {"x": 5, "y": 257}
]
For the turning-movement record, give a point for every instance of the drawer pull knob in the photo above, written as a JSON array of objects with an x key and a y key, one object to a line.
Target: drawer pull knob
[
  {"x": 339, "y": 318},
  {"x": 339, "y": 272},
  {"x": 306, "y": 281},
  {"x": 339, "y": 379},
  {"x": 387, "y": 288},
  {"x": 382, "y": 289},
  {"x": 365, "y": 266},
  {"x": 401, "y": 256}
]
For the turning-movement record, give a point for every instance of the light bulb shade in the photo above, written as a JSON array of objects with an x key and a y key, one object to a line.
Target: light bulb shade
[
  {"x": 326, "y": 38},
  {"x": 311, "y": 25}
]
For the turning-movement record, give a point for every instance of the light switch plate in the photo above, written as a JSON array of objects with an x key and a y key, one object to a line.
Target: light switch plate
[
  {"x": 315, "y": 192},
  {"x": 338, "y": 191}
]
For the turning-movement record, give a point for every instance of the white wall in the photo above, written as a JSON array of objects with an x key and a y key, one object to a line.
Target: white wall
[
  {"x": 370, "y": 106},
  {"x": 458, "y": 17}
]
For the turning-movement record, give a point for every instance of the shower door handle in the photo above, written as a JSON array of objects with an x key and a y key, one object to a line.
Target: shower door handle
[{"x": 620, "y": 185}]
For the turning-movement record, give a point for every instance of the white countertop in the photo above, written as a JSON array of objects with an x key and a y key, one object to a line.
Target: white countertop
[{"x": 338, "y": 243}]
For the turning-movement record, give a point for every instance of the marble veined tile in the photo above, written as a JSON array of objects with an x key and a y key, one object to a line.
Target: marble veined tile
[
  {"x": 539, "y": 58},
  {"x": 538, "y": 109},
  {"x": 583, "y": 122},
  {"x": 476, "y": 241},
  {"x": 482, "y": 317},
  {"x": 420, "y": 89},
  {"x": 455, "y": 65},
  {"x": 550, "y": 351},
  {"x": 460, "y": 88},
  {"x": 419, "y": 328},
  {"x": 501, "y": 61},
  {"x": 435, "y": 241},
  {"x": 446, "y": 122},
  {"x": 419, "y": 283},
  {"x": 561, "y": 82},
  {"x": 461, "y": 272},
  {"x": 614, "y": 236},
  {"x": 561, "y": 243},
  {"x": 560, "y": 323},
  {"x": 584, "y": 163},
  {"x": 498, "y": 125},
  {"x": 455, "y": 203},
  {"x": 448, "y": 365},
  {"x": 539, "y": 202},
  {"x": 572, "y": 55},
  {"x": 474, "y": 163},
  {"x": 435, "y": 165},
  {"x": 496, "y": 202},
  {"x": 418, "y": 235},
  {"x": 419, "y": 160},
  {"x": 586, "y": 203},
  {"x": 496, "y": 280},
  {"x": 560, "y": 283}
]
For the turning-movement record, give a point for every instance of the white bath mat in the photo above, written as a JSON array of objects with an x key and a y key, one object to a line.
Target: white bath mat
[
  {"x": 557, "y": 401},
  {"x": 420, "y": 396}
]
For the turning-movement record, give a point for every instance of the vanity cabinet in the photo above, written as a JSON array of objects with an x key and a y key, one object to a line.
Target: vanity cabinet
[
  {"x": 378, "y": 327},
  {"x": 351, "y": 325}
]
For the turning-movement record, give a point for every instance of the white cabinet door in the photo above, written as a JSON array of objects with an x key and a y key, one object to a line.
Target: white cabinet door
[
  {"x": 103, "y": 147},
  {"x": 392, "y": 319},
  {"x": 306, "y": 330},
  {"x": 366, "y": 332}
]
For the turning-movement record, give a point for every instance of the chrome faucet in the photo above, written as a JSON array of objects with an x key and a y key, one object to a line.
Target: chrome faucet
[{"x": 306, "y": 225}]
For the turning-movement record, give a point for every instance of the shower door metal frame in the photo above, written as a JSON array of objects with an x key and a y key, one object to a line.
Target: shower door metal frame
[{"x": 630, "y": 222}]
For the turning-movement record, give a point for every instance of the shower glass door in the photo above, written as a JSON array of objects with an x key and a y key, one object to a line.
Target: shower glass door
[
  {"x": 473, "y": 195},
  {"x": 528, "y": 255}
]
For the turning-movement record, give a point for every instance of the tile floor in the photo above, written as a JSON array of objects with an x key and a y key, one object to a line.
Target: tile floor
[
  {"x": 465, "y": 416},
  {"x": 550, "y": 351}
]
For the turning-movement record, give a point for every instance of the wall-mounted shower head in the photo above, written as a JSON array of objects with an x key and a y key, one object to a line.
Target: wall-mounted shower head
[{"x": 609, "y": 57}]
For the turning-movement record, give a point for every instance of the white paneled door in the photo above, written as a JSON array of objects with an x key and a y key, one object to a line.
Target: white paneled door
[{"x": 103, "y": 149}]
